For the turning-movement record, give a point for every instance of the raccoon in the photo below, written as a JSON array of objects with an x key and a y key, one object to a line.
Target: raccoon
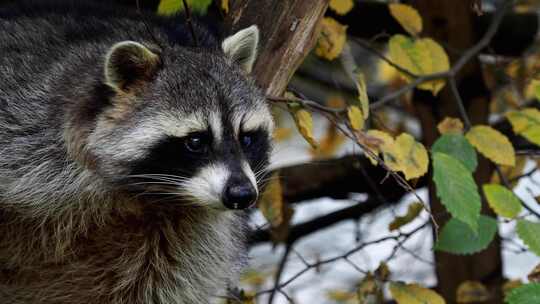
[{"x": 127, "y": 154}]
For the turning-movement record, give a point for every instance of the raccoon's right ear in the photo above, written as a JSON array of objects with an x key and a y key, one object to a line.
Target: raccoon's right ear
[
  {"x": 128, "y": 63},
  {"x": 241, "y": 48}
]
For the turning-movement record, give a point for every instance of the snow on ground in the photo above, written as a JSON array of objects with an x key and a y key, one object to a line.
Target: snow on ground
[{"x": 312, "y": 286}]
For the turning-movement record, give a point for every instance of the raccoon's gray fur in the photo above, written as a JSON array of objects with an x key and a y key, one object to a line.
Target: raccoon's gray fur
[{"x": 121, "y": 143}]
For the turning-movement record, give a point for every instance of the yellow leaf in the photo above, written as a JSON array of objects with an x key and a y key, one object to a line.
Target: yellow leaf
[
  {"x": 492, "y": 144},
  {"x": 253, "y": 277},
  {"x": 511, "y": 173},
  {"x": 329, "y": 144},
  {"x": 450, "y": 125},
  {"x": 304, "y": 123},
  {"x": 376, "y": 141},
  {"x": 419, "y": 57},
  {"x": 331, "y": 40},
  {"x": 271, "y": 202},
  {"x": 411, "y": 155},
  {"x": 526, "y": 123},
  {"x": 413, "y": 211},
  {"x": 362, "y": 94},
  {"x": 340, "y": 296},
  {"x": 385, "y": 72},
  {"x": 354, "y": 114},
  {"x": 336, "y": 102},
  {"x": 437, "y": 61},
  {"x": 225, "y": 6},
  {"x": 281, "y": 134},
  {"x": 408, "y": 17},
  {"x": 472, "y": 292},
  {"x": 341, "y": 7},
  {"x": 403, "y": 154},
  {"x": 414, "y": 294},
  {"x": 369, "y": 290}
]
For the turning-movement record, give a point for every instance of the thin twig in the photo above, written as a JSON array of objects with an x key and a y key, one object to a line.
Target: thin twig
[{"x": 190, "y": 23}]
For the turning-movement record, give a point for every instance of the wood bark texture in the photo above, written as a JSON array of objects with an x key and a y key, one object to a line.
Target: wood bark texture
[{"x": 289, "y": 29}]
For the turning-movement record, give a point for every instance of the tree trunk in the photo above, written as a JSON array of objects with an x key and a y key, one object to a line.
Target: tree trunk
[
  {"x": 289, "y": 29},
  {"x": 452, "y": 24}
]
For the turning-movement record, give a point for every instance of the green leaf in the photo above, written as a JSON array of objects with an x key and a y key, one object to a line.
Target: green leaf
[
  {"x": 456, "y": 188},
  {"x": 457, "y": 146},
  {"x": 456, "y": 237},
  {"x": 503, "y": 201},
  {"x": 171, "y": 7},
  {"x": 529, "y": 232},
  {"x": 526, "y": 294}
]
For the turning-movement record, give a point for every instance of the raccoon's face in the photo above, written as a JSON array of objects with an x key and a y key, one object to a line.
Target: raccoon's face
[{"x": 184, "y": 126}]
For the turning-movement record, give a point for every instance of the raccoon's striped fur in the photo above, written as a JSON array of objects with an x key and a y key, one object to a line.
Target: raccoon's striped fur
[{"x": 120, "y": 144}]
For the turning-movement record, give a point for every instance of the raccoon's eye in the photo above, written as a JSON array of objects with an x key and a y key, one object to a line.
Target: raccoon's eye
[
  {"x": 246, "y": 139},
  {"x": 196, "y": 143}
]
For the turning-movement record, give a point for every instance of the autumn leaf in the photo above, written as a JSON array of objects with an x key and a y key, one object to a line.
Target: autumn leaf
[
  {"x": 304, "y": 123},
  {"x": 354, "y": 114},
  {"x": 341, "y": 7},
  {"x": 492, "y": 144},
  {"x": 341, "y": 296},
  {"x": 404, "y": 154},
  {"x": 450, "y": 125},
  {"x": 532, "y": 90},
  {"x": 329, "y": 143},
  {"x": 369, "y": 290},
  {"x": 281, "y": 134},
  {"x": 376, "y": 141},
  {"x": 271, "y": 202},
  {"x": 408, "y": 17},
  {"x": 413, "y": 211},
  {"x": 419, "y": 57},
  {"x": 503, "y": 201},
  {"x": 472, "y": 292},
  {"x": 526, "y": 123},
  {"x": 414, "y": 294},
  {"x": 511, "y": 173},
  {"x": 253, "y": 277},
  {"x": 412, "y": 156},
  {"x": 225, "y": 6},
  {"x": 362, "y": 94},
  {"x": 331, "y": 40}
]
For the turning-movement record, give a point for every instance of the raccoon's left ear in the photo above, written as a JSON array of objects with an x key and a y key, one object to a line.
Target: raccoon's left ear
[
  {"x": 128, "y": 63},
  {"x": 241, "y": 47}
]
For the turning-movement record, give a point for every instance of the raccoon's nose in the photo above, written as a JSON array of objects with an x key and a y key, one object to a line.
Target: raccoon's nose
[{"x": 239, "y": 195}]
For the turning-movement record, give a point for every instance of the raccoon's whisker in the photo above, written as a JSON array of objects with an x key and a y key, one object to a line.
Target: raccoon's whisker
[
  {"x": 174, "y": 180},
  {"x": 154, "y": 183},
  {"x": 156, "y": 176}
]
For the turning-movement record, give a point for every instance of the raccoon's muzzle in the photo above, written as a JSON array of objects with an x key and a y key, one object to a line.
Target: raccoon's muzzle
[{"x": 239, "y": 194}]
